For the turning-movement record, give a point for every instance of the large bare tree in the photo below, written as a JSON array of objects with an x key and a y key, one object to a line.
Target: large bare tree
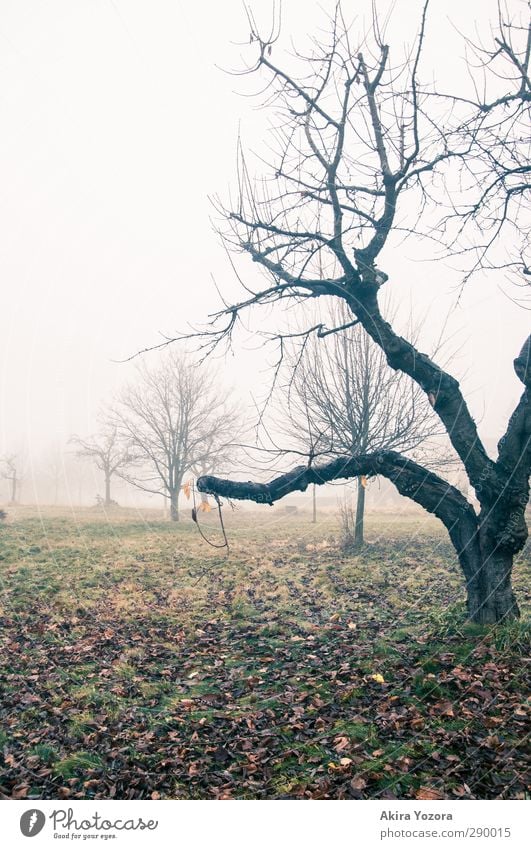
[
  {"x": 343, "y": 399},
  {"x": 110, "y": 454},
  {"x": 177, "y": 419},
  {"x": 360, "y": 146}
]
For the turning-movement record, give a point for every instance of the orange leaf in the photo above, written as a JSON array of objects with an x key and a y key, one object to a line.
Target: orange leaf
[
  {"x": 205, "y": 507},
  {"x": 429, "y": 793},
  {"x": 363, "y": 481},
  {"x": 187, "y": 489}
]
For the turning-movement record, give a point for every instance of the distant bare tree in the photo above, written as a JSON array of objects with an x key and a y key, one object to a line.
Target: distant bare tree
[
  {"x": 344, "y": 399},
  {"x": 108, "y": 453},
  {"x": 11, "y": 472},
  {"x": 178, "y": 420}
]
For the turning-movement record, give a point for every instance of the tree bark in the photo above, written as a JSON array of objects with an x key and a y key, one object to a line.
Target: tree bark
[
  {"x": 360, "y": 514},
  {"x": 174, "y": 505},
  {"x": 490, "y": 597},
  {"x": 107, "y": 490},
  {"x": 487, "y": 567}
]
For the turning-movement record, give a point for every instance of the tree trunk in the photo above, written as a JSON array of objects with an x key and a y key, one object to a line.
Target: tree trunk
[
  {"x": 174, "y": 506},
  {"x": 107, "y": 490},
  {"x": 360, "y": 513},
  {"x": 487, "y": 564},
  {"x": 14, "y": 489},
  {"x": 490, "y": 596}
]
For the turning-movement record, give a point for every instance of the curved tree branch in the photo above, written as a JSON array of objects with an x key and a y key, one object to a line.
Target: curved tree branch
[
  {"x": 414, "y": 481},
  {"x": 433, "y": 493}
]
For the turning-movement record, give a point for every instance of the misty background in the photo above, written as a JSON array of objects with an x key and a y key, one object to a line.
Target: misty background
[{"x": 119, "y": 121}]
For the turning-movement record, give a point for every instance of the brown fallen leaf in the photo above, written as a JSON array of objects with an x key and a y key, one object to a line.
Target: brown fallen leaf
[
  {"x": 429, "y": 793},
  {"x": 20, "y": 791},
  {"x": 341, "y": 743}
]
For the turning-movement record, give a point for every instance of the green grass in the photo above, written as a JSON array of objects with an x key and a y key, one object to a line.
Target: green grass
[{"x": 79, "y": 762}]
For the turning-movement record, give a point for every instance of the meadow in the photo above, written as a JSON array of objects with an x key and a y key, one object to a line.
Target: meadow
[{"x": 139, "y": 662}]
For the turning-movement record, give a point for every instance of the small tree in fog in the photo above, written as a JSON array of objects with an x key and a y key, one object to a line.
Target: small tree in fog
[
  {"x": 343, "y": 399},
  {"x": 178, "y": 421},
  {"x": 10, "y": 471},
  {"x": 108, "y": 453}
]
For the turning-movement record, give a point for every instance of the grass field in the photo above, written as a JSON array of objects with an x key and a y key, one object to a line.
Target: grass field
[{"x": 138, "y": 662}]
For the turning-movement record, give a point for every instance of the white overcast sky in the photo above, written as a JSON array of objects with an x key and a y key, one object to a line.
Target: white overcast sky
[{"x": 117, "y": 122}]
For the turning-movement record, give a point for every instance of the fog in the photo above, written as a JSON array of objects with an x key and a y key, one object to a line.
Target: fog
[{"x": 119, "y": 120}]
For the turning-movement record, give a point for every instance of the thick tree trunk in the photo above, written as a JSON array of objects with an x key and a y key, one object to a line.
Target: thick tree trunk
[
  {"x": 174, "y": 506},
  {"x": 487, "y": 564},
  {"x": 107, "y": 490},
  {"x": 490, "y": 595},
  {"x": 360, "y": 514}
]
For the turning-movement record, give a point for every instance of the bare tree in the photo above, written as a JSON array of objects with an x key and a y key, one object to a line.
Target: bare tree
[
  {"x": 108, "y": 453},
  {"x": 178, "y": 419},
  {"x": 356, "y": 137},
  {"x": 11, "y": 472},
  {"x": 343, "y": 399}
]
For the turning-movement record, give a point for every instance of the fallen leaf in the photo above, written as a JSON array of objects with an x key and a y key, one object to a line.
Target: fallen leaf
[
  {"x": 341, "y": 743},
  {"x": 429, "y": 793}
]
